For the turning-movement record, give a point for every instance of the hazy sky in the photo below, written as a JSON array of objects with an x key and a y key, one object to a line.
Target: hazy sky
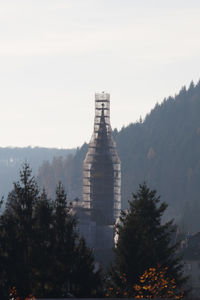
[{"x": 55, "y": 54}]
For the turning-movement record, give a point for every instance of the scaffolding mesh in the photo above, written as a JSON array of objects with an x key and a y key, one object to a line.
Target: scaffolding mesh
[{"x": 102, "y": 168}]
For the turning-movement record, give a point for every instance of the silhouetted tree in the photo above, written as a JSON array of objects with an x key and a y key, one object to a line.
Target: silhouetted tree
[
  {"x": 65, "y": 235},
  {"x": 43, "y": 247},
  {"x": 86, "y": 286},
  {"x": 143, "y": 242},
  {"x": 17, "y": 231},
  {"x": 40, "y": 249}
]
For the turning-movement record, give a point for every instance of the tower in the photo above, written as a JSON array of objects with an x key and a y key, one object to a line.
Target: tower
[{"x": 102, "y": 175}]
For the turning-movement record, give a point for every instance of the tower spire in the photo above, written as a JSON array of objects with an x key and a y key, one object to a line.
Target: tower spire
[{"x": 102, "y": 167}]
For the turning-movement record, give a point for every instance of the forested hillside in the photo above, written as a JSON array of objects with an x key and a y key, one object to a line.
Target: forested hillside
[
  {"x": 163, "y": 150},
  {"x": 11, "y": 160}
]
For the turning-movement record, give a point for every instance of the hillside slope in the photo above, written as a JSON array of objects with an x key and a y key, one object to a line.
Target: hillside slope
[{"x": 164, "y": 150}]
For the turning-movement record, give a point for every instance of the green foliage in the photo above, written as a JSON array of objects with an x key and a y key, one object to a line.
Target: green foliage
[
  {"x": 40, "y": 249},
  {"x": 143, "y": 242}
]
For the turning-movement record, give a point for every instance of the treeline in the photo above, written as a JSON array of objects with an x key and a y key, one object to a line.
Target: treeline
[
  {"x": 67, "y": 169},
  {"x": 163, "y": 150},
  {"x": 11, "y": 159},
  {"x": 42, "y": 253}
]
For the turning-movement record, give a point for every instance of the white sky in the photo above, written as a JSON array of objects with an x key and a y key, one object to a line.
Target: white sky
[{"x": 55, "y": 54}]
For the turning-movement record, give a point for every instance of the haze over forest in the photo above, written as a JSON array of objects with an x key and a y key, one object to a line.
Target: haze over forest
[
  {"x": 11, "y": 160},
  {"x": 163, "y": 150}
]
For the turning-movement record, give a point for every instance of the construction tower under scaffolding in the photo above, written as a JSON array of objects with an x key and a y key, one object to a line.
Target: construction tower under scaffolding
[
  {"x": 102, "y": 168},
  {"x": 101, "y": 183}
]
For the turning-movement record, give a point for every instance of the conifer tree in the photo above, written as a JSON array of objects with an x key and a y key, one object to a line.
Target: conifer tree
[
  {"x": 90, "y": 285},
  {"x": 42, "y": 247},
  {"x": 74, "y": 268},
  {"x": 65, "y": 236},
  {"x": 143, "y": 242},
  {"x": 41, "y": 251},
  {"x": 16, "y": 232}
]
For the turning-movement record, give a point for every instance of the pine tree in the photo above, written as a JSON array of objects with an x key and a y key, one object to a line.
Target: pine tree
[
  {"x": 16, "y": 232},
  {"x": 42, "y": 247},
  {"x": 41, "y": 251},
  {"x": 73, "y": 265},
  {"x": 65, "y": 236},
  {"x": 143, "y": 242},
  {"x": 90, "y": 285}
]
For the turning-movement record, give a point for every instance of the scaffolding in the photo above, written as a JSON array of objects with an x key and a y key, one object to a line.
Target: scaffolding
[{"x": 102, "y": 168}]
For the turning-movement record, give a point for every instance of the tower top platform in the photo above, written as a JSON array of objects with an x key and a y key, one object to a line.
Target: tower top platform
[{"x": 102, "y": 96}]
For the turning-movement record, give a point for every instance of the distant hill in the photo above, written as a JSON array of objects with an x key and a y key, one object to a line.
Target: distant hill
[
  {"x": 11, "y": 160},
  {"x": 163, "y": 150}
]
